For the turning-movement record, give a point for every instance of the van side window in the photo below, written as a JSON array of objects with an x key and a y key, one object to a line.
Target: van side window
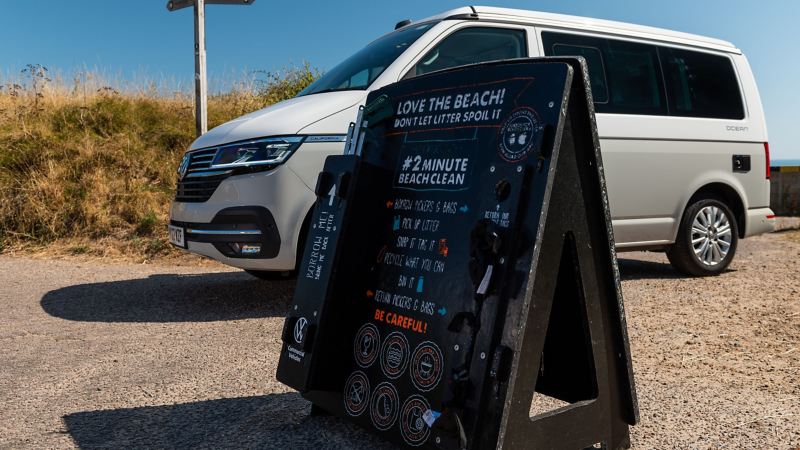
[
  {"x": 701, "y": 84},
  {"x": 472, "y": 45},
  {"x": 597, "y": 74},
  {"x": 625, "y": 76}
]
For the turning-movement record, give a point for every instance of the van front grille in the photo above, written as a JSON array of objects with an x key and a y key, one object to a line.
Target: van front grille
[{"x": 200, "y": 182}]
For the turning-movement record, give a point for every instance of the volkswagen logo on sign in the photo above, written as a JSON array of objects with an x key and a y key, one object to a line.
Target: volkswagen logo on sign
[
  {"x": 184, "y": 166},
  {"x": 300, "y": 329}
]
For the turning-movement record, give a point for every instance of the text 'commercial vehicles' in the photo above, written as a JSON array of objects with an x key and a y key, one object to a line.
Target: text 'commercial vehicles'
[{"x": 682, "y": 131}]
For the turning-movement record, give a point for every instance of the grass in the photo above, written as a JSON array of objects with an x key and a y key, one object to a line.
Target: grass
[{"x": 90, "y": 169}]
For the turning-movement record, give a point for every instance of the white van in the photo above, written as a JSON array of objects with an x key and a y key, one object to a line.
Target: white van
[{"x": 682, "y": 132}]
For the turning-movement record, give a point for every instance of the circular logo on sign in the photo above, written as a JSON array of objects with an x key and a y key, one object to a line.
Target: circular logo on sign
[
  {"x": 394, "y": 355},
  {"x": 300, "y": 329},
  {"x": 366, "y": 345},
  {"x": 384, "y": 406},
  {"x": 356, "y": 393},
  {"x": 427, "y": 365},
  {"x": 412, "y": 422},
  {"x": 518, "y": 133}
]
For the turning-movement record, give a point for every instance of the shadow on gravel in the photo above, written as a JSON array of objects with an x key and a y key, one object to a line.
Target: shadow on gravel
[
  {"x": 634, "y": 269},
  {"x": 268, "y": 421},
  {"x": 172, "y": 298}
]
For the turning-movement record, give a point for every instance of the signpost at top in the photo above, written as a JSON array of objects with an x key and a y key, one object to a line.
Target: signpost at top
[{"x": 200, "y": 80}]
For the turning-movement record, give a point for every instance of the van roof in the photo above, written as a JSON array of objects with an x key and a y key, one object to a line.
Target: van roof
[{"x": 586, "y": 24}]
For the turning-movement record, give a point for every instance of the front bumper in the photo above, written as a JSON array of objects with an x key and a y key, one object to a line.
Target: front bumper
[
  {"x": 284, "y": 200},
  {"x": 238, "y": 232}
]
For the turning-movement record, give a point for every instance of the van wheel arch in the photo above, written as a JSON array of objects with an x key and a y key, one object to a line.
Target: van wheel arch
[
  {"x": 270, "y": 275},
  {"x": 301, "y": 238},
  {"x": 726, "y": 194}
]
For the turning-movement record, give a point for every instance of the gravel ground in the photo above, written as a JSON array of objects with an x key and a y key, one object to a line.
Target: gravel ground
[{"x": 94, "y": 354}]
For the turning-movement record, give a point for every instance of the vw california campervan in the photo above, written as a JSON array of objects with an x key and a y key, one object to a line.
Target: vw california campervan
[{"x": 682, "y": 131}]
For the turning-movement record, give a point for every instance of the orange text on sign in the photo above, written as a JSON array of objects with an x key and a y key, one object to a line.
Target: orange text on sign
[{"x": 400, "y": 321}]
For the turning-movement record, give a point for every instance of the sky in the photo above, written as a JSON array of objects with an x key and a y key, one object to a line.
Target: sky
[{"x": 140, "y": 39}]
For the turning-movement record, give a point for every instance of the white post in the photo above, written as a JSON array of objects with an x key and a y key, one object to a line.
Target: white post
[{"x": 200, "y": 81}]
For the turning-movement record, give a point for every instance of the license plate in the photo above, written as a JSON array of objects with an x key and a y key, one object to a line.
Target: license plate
[{"x": 176, "y": 236}]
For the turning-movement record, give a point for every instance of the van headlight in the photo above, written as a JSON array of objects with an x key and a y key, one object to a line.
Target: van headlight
[{"x": 266, "y": 151}]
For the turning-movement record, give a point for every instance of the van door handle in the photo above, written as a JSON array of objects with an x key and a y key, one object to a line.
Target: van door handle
[{"x": 741, "y": 163}]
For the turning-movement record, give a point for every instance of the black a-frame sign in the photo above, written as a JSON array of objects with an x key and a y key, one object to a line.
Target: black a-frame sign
[{"x": 460, "y": 268}]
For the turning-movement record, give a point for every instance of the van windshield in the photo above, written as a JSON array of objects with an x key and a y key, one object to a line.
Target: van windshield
[{"x": 360, "y": 70}]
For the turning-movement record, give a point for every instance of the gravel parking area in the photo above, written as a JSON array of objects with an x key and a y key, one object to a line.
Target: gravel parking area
[{"x": 119, "y": 355}]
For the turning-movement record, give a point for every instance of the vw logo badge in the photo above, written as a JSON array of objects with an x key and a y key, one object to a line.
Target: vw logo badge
[
  {"x": 300, "y": 329},
  {"x": 184, "y": 166}
]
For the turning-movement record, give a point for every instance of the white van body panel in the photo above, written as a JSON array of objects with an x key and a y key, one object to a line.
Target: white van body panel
[
  {"x": 653, "y": 164},
  {"x": 285, "y": 118}
]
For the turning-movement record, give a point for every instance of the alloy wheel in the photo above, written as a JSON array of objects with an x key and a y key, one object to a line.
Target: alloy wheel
[{"x": 711, "y": 235}]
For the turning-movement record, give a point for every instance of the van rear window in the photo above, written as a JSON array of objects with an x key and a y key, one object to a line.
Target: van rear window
[
  {"x": 636, "y": 78},
  {"x": 701, "y": 84}
]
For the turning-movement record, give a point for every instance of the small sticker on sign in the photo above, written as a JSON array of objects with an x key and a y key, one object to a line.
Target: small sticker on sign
[{"x": 430, "y": 417}]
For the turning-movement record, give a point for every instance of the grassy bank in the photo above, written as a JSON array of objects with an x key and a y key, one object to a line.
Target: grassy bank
[{"x": 89, "y": 169}]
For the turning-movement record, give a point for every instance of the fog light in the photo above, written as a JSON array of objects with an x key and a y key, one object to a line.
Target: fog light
[
  {"x": 245, "y": 249},
  {"x": 250, "y": 249}
]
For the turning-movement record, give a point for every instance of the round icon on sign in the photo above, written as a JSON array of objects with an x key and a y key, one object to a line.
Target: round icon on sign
[
  {"x": 518, "y": 133},
  {"x": 356, "y": 393},
  {"x": 412, "y": 421},
  {"x": 427, "y": 366},
  {"x": 384, "y": 406},
  {"x": 394, "y": 355},
  {"x": 300, "y": 329},
  {"x": 366, "y": 345}
]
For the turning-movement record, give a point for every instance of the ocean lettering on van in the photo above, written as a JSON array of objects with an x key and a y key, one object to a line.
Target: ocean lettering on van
[{"x": 736, "y": 128}]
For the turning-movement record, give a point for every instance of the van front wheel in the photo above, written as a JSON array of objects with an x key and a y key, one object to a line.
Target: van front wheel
[{"x": 707, "y": 239}]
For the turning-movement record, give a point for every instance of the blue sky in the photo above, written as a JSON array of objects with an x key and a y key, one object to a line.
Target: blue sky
[{"x": 135, "y": 39}]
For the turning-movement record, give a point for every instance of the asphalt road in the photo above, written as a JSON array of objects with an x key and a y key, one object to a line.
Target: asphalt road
[{"x": 96, "y": 354}]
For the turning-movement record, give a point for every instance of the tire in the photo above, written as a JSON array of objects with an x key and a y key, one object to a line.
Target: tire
[
  {"x": 270, "y": 275},
  {"x": 708, "y": 226}
]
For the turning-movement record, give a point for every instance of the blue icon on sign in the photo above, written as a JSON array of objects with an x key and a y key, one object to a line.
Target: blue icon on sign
[
  {"x": 420, "y": 284},
  {"x": 396, "y": 225}
]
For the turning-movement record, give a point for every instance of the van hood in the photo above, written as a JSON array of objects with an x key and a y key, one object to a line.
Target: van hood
[{"x": 285, "y": 118}]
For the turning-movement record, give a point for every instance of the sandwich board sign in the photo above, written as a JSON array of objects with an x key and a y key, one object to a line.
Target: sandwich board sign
[{"x": 461, "y": 262}]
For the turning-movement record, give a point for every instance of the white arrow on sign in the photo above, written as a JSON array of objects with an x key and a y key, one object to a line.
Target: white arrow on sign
[{"x": 331, "y": 194}]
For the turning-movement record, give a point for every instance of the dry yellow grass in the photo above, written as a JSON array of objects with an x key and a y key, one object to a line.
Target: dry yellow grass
[{"x": 85, "y": 169}]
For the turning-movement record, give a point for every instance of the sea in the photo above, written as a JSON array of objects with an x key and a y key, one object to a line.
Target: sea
[{"x": 784, "y": 162}]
